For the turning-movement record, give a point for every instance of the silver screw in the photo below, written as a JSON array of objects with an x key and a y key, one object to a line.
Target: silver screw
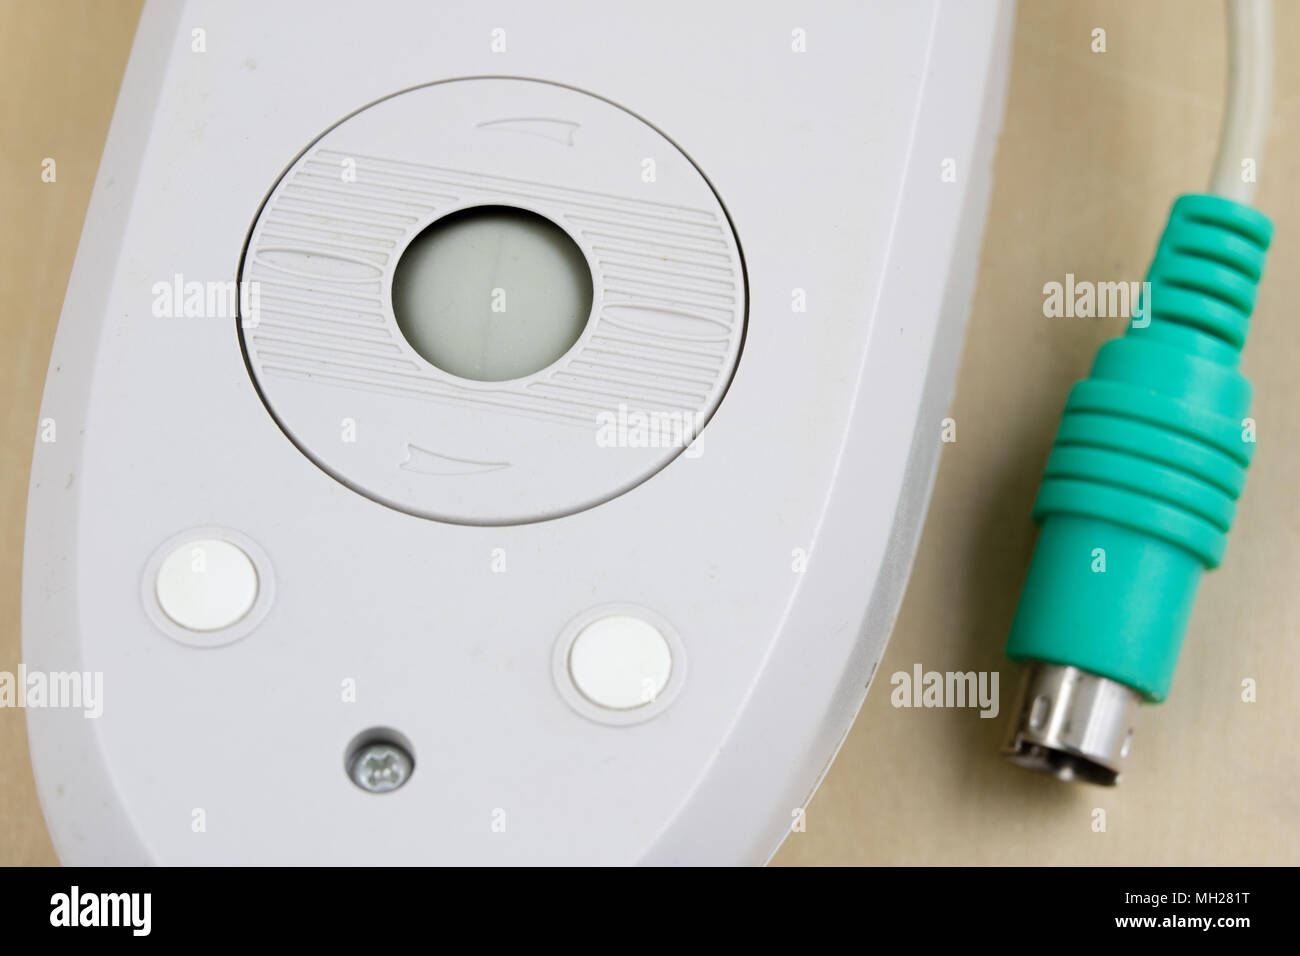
[{"x": 380, "y": 766}]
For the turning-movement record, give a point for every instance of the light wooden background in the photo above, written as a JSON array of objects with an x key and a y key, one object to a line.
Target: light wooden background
[{"x": 1094, "y": 148}]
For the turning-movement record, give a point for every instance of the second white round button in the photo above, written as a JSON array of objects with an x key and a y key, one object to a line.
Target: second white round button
[{"x": 620, "y": 662}]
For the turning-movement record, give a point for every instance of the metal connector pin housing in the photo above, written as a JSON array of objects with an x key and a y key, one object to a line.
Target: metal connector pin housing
[{"x": 1072, "y": 724}]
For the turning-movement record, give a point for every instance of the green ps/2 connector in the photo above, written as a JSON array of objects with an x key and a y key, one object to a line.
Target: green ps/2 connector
[{"x": 1137, "y": 499}]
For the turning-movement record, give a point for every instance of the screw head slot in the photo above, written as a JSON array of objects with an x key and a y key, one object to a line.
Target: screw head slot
[{"x": 379, "y": 760}]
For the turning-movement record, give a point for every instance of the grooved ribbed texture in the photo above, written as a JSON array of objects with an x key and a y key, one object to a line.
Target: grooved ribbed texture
[
  {"x": 1141, "y": 486},
  {"x": 1158, "y": 425}
]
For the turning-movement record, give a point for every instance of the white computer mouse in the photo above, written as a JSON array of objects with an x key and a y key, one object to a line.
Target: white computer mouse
[{"x": 496, "y": 432}]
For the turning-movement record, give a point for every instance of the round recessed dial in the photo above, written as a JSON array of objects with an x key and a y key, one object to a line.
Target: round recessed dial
[{"x": 516, "y": 386}]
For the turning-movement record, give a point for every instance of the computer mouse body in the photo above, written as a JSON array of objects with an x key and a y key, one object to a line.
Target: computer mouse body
[{"x": 350, "y": 604}]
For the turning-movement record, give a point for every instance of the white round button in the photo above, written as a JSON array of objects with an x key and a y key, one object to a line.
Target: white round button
[
  {"x": 620, "y": 662},
  {"x": 206, "y": 584}
]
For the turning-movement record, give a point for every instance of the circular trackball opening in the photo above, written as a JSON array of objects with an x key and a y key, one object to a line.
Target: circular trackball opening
[{"x": 492, "y": 293}]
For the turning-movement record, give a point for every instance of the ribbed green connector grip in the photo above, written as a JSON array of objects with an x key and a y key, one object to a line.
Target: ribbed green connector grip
[{"x": 1141, "y": 486}]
